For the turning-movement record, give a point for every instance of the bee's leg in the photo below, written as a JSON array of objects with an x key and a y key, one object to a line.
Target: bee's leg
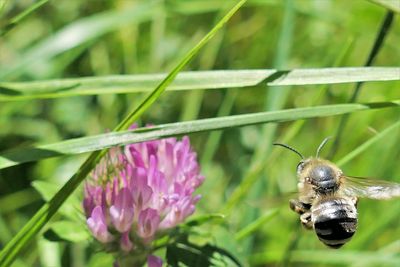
[
  {"x": 305, "y": 219},
  {"x": 303, "y": 209},
  {"x": 298, "y": 206}
]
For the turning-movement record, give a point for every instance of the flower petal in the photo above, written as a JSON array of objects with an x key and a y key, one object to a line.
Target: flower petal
[
  {"x": 141, "y": 191},
  {"x": 154, "y": 261},
  {"x": 149, "y": 220},
  {"x": 121, "y": 212},
  {"x": 97, "y": 225}
]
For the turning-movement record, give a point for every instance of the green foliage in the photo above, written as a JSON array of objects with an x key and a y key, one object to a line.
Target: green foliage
[
  {"x": 68, "y": 231},
  {"x": 39, "y": 220},
  {"x": 277, "y": 72},
  {"x": 104, "y": 141}
]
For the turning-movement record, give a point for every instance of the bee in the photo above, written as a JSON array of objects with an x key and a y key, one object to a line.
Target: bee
[{"x": 327, "y": 200}]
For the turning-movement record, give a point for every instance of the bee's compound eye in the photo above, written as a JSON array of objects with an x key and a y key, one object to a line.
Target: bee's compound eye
[{"x": 300, "y": 167}]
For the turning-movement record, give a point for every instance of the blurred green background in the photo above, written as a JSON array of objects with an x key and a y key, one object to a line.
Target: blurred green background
[{"x": 98, "y": 37}]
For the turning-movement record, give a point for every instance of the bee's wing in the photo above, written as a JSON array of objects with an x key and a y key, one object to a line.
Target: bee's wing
[{"x": 369, "y": 188}]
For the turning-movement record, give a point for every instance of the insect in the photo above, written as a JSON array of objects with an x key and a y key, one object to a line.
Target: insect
[{"x": 327, "y": 200}]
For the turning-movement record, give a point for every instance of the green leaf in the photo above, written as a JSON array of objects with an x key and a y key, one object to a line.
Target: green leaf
[
  {"x": 13, "y": 91},
  {"x": 184, "y": 252},
  {"x": 19, "y": 199},
  {"x": 40, "y": 219},
  {"x": 68, "y": 231},
  {"x": 98, "y": 142},
  {"x": 178, "y": 254},
  {"x": 101, "y": 259}
]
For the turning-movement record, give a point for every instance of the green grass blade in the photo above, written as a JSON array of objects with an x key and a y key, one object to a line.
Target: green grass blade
[
  {"x": 171, "y": 76},
  {"x": 39, "y": 220},
  {"x": 78, "y": 33},
  {"x": 378, "y": 44},
  {"x": 354, "y": 153},
  {"x": 330, "y": 76},
  {"x": 211, "y": 145},
  {"x": 254, "y": 226},
  {"x": 217, "y": 79},
  {"x": 275, "y": 100},
  {"x": 330, "y": 257},
  {"x": 18, "y": 18},
  {"x": 103, "y": 141}
]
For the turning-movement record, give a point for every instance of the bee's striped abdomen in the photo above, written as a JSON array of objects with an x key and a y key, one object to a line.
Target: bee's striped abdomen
[{"x": 335, "y": 221}]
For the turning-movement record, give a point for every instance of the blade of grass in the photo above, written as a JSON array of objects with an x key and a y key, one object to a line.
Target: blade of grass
[
  {"x": 18, "y": 18},
  {"x": 275, "y": 99},
  {"x": 214, "y": 138},
  {"x": 78, "y": 33},
  {"x": 206, "y": 6},
  {"x": 252, "y": 227},
  {"x": 382, "y": 33},
  {"x": 103, "y": 141},
  {"x": 391, "y": 248},
  {"x": 354, "y": 153},
  {"x": 332, "y": 257},
  {"x": 3, "y": 4},
  {"x": 39, "y": 220},
  {"x": 192, "y": 106},
  {"x": 171, "y": 76},
  {"x": 295, "y": 127},
  {"x": 385, "y": 221},
  {"x": 13, "y": 91}
]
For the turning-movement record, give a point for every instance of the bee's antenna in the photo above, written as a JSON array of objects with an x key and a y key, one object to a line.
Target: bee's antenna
[
  {"x": 290, "y": 148},
  {"x": 322, "y": 145}
]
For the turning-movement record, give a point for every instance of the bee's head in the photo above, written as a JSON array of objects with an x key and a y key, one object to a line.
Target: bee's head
[{"x": 322, "y": 175}]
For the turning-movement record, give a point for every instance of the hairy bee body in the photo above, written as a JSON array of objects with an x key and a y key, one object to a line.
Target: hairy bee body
[
  {"x": 334, "y": 220},
  {"x": 328, "y": 199},
  {"x": 332, "y": 215}
]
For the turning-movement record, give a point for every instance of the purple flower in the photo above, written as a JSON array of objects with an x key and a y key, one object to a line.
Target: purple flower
[
  {"x": 136, "y": 193},
  {"x": 153, "y": 261}
]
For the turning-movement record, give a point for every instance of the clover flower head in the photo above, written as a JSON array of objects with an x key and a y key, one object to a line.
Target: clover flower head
[{"x": 138, "y": 192}]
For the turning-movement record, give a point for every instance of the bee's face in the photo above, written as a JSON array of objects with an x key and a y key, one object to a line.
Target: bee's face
[{"x": 322, "y": 175}]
